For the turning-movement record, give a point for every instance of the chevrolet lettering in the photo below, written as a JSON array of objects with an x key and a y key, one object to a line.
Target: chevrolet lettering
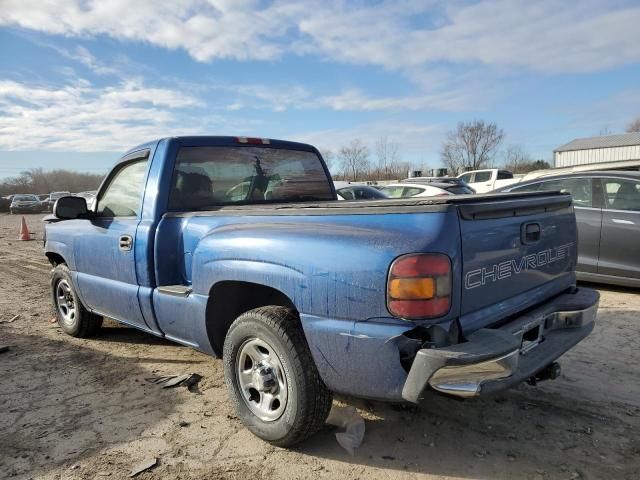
[{"x": 500, "y": 271}]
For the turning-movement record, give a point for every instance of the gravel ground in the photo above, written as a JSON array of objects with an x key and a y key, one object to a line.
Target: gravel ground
[{"x": 72, "y": 408}]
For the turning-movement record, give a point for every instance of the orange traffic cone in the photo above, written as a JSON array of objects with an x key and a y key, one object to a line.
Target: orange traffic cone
[{"x": 24, "y": 231}]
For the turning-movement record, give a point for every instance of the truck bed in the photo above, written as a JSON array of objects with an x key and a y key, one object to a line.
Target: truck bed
[{"x": 485, "y": 205}]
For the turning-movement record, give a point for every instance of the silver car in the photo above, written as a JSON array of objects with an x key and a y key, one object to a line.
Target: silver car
[{"x": 607, "y": 207}]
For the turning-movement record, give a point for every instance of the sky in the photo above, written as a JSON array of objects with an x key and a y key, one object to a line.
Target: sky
[{"x": 83, "y": 81}]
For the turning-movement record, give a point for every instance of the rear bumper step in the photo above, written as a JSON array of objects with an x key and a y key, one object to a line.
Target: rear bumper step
[{"x": 492, "y": 360}]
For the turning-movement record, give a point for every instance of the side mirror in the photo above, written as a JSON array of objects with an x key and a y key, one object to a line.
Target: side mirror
[{"x": 69, "y": 208}]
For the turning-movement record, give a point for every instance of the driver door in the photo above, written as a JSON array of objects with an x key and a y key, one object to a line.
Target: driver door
[{"x": 105, "y": 253}]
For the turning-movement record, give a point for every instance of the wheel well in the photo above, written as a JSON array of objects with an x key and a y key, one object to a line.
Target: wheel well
[
  {"x": 230, "y": 299},
  {"x": 55, "y": 259}
]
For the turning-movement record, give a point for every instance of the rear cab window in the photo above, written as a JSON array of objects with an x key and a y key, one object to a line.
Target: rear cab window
[
  {"x": 209, "y": 176},
  {"x": 483, "y": 176}
]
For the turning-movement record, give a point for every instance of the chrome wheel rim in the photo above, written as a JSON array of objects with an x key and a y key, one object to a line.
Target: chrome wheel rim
[
  {"x": 65, "y": 303},
  {"x": 261, "y": 379}
]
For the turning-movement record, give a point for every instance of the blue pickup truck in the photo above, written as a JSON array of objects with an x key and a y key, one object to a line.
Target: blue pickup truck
[{"x": 239, "y": 248}]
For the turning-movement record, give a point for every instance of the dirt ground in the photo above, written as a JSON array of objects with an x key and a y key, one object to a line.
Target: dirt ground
[{"x": 81, "y": 409}]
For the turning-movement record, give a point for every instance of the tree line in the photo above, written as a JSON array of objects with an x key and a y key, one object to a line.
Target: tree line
[
  {"x": 39, "y": 181},
  {"x": 470, "y": 146}
]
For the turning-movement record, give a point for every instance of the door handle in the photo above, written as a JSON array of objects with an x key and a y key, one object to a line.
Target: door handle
[
  {"x": 125, "y": 242},
  {"x": 530, "y": 233},
  {"x": 623, "y": 222}
]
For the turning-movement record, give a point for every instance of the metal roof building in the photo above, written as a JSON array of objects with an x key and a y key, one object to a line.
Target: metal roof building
[{"x": 594, "y": 150}]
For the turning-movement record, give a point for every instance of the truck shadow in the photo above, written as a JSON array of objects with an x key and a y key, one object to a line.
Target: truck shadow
[
  {"x": 525, "y": 433},
  {"x": 610, "y": 288}
]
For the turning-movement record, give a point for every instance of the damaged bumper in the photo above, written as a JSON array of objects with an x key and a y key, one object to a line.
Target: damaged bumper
[{"x": 496, "y": 359}]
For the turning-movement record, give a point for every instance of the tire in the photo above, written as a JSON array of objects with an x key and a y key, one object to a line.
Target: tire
[
  {"x": 73, "y": 318},
  {"x": 289, "y": 368}
]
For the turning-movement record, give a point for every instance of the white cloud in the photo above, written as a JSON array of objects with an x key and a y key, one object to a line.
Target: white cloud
[
  {"x": 356, "y": 100},
  {"x": 81, "y": 117},
  {"x": 281, "y": 98},
  {"x": 545, "y": 35}
]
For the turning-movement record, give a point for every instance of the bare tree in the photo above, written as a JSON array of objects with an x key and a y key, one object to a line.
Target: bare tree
[
  {"x": 515, "y": 158},
  {"x": 634, "y": 126},
  {"x": 328, "y": 156},
  {"x": 471, "y": 145},
  {"x": 388, "y": 155},
  {"x": 355, "y": 160}
]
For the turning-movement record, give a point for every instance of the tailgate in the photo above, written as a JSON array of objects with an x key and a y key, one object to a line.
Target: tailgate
[{"x": 511, "y": 246}]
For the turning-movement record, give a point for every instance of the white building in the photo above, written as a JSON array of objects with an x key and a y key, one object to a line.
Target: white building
[{"x": 617, "y": 151}]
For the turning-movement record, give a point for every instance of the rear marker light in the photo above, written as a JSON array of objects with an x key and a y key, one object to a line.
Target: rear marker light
[{"x": 419, "y": 286}]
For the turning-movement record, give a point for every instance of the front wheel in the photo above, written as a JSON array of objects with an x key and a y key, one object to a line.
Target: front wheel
[
  {"x": 74, "y": 319},
  {"x": 272, "y": 379}
]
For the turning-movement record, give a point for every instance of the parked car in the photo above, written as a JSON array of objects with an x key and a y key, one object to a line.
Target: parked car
[
  {"x": 359, "y": 192},
  {"x": 44, "y": 201},
  {"x": 403, "y": 190},
  {"x": 303, "y": 295},
  {"x": 488, "y": 179},
  {"x": 4, "y": 204},
  {"x": 607, "y": 206},
  {"x": 25, "y": 203},
  {"x": 454, "y": 185},
  {"x": 53, "y": 196},
  {"x": 89, "y": 196}
]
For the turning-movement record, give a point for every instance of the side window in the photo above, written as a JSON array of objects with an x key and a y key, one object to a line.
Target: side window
[
  {"x": 504, "y": 175},
  {"x": 466, "y": 177},
  {"x": 360, "y": 193},
  {"x": 411, "y": 191},
  {"x": 123, "y": 194},
  {"x": 347, "y": 194},
  {"x": 580, "y": 189},
  {"x": 393, "y": 192},
  {"x": 484, "y": 176},
  {"x": 534, "y": 187},
  {"x": 551, "y": 186},
  {"x": 621, "y": 194}
]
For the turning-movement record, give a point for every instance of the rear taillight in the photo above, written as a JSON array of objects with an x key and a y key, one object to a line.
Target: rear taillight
[{"x": 419, "y": 286}]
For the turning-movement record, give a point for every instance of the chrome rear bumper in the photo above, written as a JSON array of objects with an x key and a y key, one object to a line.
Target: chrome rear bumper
[{"x": 495, "y": 359}]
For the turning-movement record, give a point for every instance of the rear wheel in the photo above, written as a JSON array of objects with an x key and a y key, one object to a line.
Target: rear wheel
[
  {"x": 272, "y": 378},
  {"x": 73, "y": 318}
]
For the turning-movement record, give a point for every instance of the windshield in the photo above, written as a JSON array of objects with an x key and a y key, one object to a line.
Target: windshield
[
  {"x": 206, "y": 177},
  {"x": 25, "y": 198}
]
